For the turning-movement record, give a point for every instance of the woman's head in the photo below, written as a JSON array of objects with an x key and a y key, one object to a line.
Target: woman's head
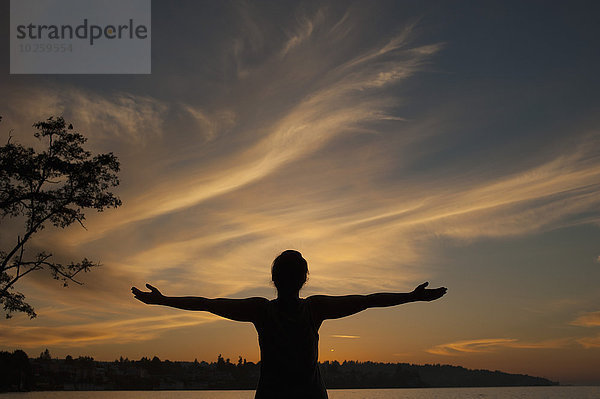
[{"x": 289, "y": 271}]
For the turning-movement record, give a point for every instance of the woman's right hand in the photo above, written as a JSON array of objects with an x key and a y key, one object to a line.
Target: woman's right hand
[{"x": 154, "y": 297}]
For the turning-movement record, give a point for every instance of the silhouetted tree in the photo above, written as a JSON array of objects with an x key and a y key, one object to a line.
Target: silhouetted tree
[
  {"x": 49, "y": 187},
  {"x": 45, "y": 355},
  {"x": 21, "y": 368},
  {"x": 15, "y": 371}
]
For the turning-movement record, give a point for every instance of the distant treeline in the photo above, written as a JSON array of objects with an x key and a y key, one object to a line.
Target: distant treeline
[{"x": 20, "y": 373}]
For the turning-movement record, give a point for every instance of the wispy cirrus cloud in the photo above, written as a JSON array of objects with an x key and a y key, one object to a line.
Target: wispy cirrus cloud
[
  {"x": 302, "y": 31},
  {"x": 85, "y": 334},
  {"x": 590, "y": 342},
  {"x": 486, "y": 345},
  {"x": 590, "y": 319},
  {"x": 118, "y": 117},
  {"x": 339, "y": 102}
]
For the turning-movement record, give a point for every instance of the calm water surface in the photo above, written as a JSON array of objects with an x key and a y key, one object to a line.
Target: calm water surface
[{"x": 424, "y": 393}]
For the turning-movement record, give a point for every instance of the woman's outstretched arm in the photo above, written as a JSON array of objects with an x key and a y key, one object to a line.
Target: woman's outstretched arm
[
  {"x": 333, "y": 307},
  {"x": 248, "y": 309}
]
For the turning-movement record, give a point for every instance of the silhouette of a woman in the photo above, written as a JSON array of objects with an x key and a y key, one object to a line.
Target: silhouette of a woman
[{"x": 288, "y": 326}]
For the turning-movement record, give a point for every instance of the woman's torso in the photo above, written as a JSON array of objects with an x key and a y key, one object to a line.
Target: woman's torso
[{"x": 289, "y": 346}]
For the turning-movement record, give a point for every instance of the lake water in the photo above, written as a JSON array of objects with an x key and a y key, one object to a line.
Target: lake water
[{"x": 421, "y": 393}]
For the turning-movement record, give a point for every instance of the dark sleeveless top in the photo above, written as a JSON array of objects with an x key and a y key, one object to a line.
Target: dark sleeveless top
[{"x": 289, "y": 349}]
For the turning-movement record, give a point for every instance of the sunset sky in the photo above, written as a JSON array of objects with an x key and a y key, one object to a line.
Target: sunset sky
[{"x": 391, "y": 143}]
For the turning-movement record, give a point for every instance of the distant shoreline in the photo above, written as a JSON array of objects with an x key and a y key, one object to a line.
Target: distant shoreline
[{"x": 86, "y": 374}]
